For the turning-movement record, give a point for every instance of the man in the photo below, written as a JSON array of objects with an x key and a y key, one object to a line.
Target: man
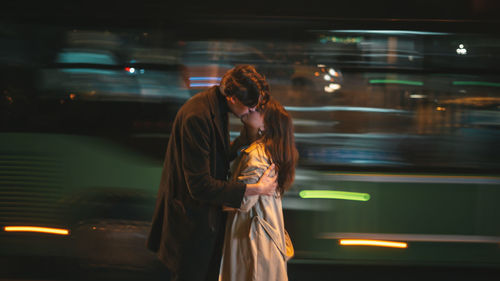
[{"x": 188, "y": 223}]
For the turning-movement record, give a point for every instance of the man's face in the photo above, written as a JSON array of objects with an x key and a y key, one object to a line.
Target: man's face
[
  {"x": 254, "y": 120},
  {"x": 238, "y": 108}
]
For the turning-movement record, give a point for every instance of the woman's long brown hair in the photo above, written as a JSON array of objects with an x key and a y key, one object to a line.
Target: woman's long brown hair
[{"x": 279, "y": 141}]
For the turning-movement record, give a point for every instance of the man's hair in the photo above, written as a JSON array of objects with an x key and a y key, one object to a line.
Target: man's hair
[{"x": 246, "y": 84}]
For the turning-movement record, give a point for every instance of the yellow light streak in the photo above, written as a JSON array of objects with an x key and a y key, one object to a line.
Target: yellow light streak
[
  {"x": 58, "y": 231},
  {"x": 378, "y": 243},
  {"x": 334, "y": 194}
]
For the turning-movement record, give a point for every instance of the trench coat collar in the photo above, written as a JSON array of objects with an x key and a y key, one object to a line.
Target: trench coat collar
[{"x": 219, "y": 111}]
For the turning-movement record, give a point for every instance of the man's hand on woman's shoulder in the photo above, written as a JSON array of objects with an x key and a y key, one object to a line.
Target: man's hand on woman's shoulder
[{"x": 265, "y": 186}]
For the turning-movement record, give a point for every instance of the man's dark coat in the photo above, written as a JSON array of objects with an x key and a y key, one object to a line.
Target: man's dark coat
[{"x": 188, "y": 215}]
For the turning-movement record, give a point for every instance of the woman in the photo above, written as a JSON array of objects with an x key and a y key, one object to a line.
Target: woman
[{"x": 254, "y": 246}]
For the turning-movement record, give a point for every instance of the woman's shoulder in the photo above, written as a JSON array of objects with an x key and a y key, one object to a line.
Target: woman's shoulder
[
  {"x": 256, "y": 154},
  {"x": 256, "y": 148}
]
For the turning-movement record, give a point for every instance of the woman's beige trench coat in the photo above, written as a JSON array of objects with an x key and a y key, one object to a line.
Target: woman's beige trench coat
[{"x": 254, "y": 246}]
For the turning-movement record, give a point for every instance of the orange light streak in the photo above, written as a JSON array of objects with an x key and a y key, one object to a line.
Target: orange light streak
[
  {"x": 377, "y": 243},
  {"x": 58, "y": 231}
]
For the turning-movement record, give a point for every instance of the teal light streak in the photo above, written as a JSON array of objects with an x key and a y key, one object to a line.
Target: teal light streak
[
  {"x": 389, "y": 32},
  {"x": 89, "y": 71},
  {"x": 404, "y": 82},
  {"x": 85, "y": 57},
  {"x": 475, "y": 83},
  {"x": 332, "y": 194}
]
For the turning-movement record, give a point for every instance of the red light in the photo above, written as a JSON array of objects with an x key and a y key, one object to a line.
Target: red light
[{"x": 127, "y": 69}]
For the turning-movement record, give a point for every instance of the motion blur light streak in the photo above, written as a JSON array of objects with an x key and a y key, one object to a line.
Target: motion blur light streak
[
  {"x": 415, "y": 178},
  {"x": 475, "y": 83},
  {"x": 203, "y": 84},
  {"x": 49, "y": 230},
  {"x": 390, "y": 32},
  {"x": 332, "y": 194},
  {"x": 417, "y": 96},
  {"x": 389, "y": 81},
  {"x": 343, "y": 108},
  {"x": 204, "y": 78},
  {"x": 234, "y": 134},
  {"x": 342, "y": 40},
  {"x": 209, "y": 81},
  {"x": 378, "y": 243},
  {"x": 89, "y": 56},
  {"x": 450, "y": 238},
  {"x": 88, "y": 71}
]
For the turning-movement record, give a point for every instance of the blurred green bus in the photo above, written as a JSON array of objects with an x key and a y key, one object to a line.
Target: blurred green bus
[{"x": 397, "y": 133}]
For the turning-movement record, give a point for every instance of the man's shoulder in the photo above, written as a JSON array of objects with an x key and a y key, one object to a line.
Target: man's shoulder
[
  {"x": 198, "y": 98},
  {"x": 202, "y": 100},
  {"x": 197, "y": 105}
]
